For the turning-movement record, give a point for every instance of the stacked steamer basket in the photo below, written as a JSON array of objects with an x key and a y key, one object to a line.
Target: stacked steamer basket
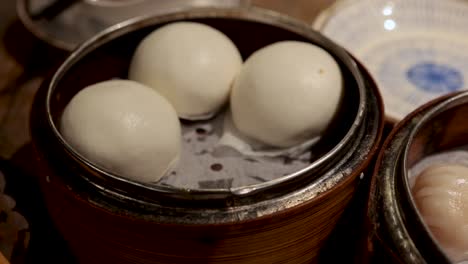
[
  {"x": 109, "y": 219},
  {"x": 435, "y": 134}
]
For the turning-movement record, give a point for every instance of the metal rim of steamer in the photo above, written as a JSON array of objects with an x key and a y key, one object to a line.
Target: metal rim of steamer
[
  {"x": 358, "y": 141},
  {"x": 408, "y": 232}
]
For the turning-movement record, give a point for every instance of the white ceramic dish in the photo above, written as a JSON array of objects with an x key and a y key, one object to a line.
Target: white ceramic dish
[
  {"x": 416, "y": 50},
  {"x": 67, "y": 23}
]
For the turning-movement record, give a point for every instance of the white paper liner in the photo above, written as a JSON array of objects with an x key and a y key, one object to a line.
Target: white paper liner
[
  {"x": 205, "y": 163},
  {"x": 233, "y": 138}
]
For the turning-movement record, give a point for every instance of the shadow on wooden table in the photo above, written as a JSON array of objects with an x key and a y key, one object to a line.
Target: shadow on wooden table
[
  {"x": 29, "y": 51},
  {"x": 46, "y": 245},
  {"x": 25, "y": 60}
]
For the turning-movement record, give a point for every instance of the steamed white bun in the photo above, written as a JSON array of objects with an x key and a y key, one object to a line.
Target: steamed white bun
[
  {"x": 286, "y": 93},
  {"x": 125, "y": 127},
  {"x": 191, "y": 64},
  {"x": 441, "y": 195}
]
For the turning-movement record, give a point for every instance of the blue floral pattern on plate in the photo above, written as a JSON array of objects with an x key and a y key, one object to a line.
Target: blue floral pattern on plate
[
  {"x": 416, "y": 50},
  {"x": 435, "y": 78}
]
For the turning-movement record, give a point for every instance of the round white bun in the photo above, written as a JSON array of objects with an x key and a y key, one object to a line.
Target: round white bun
[
  {"x": 286, "y": 93},
  {"x": 124, "y": 127},
  {"x": 191, "y": 64}
]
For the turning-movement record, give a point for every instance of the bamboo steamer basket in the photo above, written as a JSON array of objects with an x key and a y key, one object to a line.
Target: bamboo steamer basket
[
  {"x": 397, "y": 231},
  {"x": 108, "y": 219}
]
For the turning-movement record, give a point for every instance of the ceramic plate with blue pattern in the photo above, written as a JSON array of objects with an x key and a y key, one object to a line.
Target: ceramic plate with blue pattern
[{"x": 416, "y": 50}]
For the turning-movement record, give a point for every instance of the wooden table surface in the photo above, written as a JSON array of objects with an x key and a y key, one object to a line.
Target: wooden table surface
[{"x": 24, "y": 62}]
